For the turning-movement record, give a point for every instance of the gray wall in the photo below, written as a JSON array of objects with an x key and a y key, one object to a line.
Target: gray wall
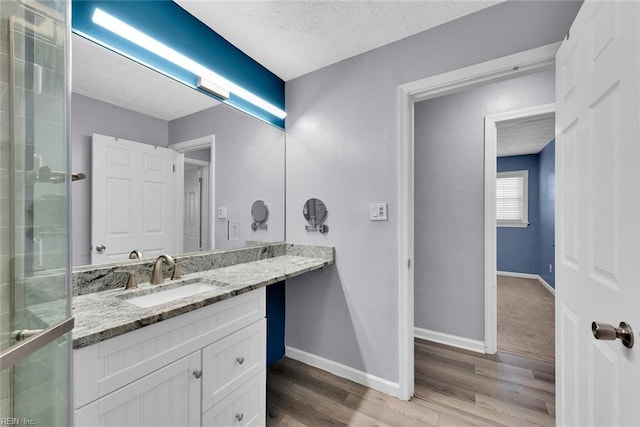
[
  {"x": 341, "y": 147},
  {"x": 92, "y": 116},
  {"x": 249, "y": 166},
  {"x": 449, "y": 200}
]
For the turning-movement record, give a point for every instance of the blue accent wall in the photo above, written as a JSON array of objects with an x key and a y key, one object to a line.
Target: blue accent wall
[
  {"x": 518, "y": 246},
  {"x": 532, "y": 249},
  {"x": 171, "y": 25},
  {"x": 547, "y": 249}
]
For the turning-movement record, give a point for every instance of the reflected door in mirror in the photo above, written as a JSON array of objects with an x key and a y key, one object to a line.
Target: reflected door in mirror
[{"x": 132, "y": 199}]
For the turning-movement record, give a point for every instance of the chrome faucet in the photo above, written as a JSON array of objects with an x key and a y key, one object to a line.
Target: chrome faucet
[
  {"x": 135, "y": 254},
  {"x": 156, "y": 274}
]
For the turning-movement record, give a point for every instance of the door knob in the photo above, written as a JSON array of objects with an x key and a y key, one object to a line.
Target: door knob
[
  {"x": 604, "y": 331},
  {"x": 101, "y": 248},
  {"x": 197, "y": 373}
]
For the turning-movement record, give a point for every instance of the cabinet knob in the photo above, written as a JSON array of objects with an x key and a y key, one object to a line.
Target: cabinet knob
[
  {"x": 240, "y": 360},
  {"x": 197, "y": 373},
  {"x": 239, "y": 416}
]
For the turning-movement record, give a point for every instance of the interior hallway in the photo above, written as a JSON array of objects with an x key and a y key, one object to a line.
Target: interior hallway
[{"x": 453, "y": 388}]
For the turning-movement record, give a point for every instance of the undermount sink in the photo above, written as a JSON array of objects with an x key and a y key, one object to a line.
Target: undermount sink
[{"x": 163, "y": 297}]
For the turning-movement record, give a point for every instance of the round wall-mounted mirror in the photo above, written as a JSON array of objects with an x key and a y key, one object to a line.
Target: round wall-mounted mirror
[
  {"x": 260, "y": 214},
  {"x": 315, "y": 212}
]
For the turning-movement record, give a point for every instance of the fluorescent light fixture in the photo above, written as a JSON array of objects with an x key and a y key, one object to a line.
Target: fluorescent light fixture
[
  {"x": 128, "y": 32},
  {"x": 213, "y": 88}
]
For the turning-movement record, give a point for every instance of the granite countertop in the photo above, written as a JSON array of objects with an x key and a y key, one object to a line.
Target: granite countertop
[
  {"x": 103, "y": 315},
  {"x": 107, "y": 314}
]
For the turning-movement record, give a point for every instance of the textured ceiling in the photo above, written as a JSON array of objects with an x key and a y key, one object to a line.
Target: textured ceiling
[
  {"x": 292, "y": 38},
  {"x": 527, "y": 135},
  {"x": 107, "y": 76}
]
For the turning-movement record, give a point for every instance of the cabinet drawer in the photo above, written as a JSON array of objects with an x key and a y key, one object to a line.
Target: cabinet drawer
[
  {"x": 231, "y": 361},
  {"x": 246, "y": 406},
  {"x": 106, "y": 366}
]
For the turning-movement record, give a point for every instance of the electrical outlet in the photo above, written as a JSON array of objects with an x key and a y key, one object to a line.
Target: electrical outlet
[
  {"x": 233, "y": 229},
  {"x": 222, "y": 213}
]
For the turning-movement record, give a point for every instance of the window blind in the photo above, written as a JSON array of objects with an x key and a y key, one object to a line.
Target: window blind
[{"x": 510, "y": 198}]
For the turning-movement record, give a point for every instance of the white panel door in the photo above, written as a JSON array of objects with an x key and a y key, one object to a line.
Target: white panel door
[
  {"x": 167, "y": 397},
  {"x": 131, "y": 199},
  {"x": 192, "y": 211},
  {"x": 598, "y": 215}
]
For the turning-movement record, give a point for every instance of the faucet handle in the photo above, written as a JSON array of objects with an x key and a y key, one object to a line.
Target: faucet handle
[
  {"x": 132, "y": 283},
  {"x": 177, "y": 271}
]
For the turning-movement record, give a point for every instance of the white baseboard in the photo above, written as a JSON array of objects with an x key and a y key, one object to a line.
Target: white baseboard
[
  {"x": 546, "y": 285},
  {"x": 452, "y": 340},
  {"x": 529, "y": 276},
  {"x": 521, "y": 275},
  {"x": 344, "y": 371}
]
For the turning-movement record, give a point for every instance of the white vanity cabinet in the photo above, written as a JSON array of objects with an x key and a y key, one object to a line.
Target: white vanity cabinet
[{"x": 205, "y": 367}]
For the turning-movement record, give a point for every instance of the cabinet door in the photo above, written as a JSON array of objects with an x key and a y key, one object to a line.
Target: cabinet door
[{"x": 167, "y": 397}]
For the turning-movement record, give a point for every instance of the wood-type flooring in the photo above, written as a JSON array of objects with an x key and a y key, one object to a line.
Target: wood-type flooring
[{"x": 453, "y": 388}]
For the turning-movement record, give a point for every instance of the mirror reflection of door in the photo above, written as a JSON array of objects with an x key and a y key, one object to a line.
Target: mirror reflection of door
[
  {"x": 197, "y": 194},
  {"x": 192, "y": 207}
]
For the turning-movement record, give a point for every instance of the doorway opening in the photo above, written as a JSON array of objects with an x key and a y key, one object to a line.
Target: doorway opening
[
  {"x": 410, "y": 93},
  {"x": 194, "y": 227},
  {"x": 522, "y": 230},
  {"x": 196, "y": 194}
]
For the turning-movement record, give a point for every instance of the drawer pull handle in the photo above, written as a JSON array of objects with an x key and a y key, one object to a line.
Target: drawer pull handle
[
  {"x": 240, "y": 360},
  {"x": 239, "y": 416},
  {"x": 197, "y": 373}
]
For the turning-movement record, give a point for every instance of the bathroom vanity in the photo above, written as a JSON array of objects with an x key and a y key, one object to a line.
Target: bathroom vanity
[{"x": 187, "y": 361}]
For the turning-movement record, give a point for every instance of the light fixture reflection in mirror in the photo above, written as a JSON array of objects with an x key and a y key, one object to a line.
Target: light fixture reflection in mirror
[
  {"x": 141, "y": 39},
  {"x": 260, "y": 215},
  {"x": 315, "y": 212}
]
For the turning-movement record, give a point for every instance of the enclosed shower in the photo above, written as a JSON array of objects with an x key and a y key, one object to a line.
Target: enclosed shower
[{"x": 35, "y": 310}]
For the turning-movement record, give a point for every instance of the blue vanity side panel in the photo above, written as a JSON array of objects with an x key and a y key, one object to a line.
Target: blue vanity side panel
[
  {"x": 168, "y": 23},
  {"x": 275, "y": 322}
]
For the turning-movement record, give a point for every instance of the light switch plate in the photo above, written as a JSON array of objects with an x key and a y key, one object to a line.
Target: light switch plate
[
  {"x": 233, "y": 229},
  {"x": 378, "y": 212},
  {"x": 222, "y": 212}
]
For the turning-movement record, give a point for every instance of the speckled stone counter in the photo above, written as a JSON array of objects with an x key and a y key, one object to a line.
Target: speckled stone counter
[{"x": 105, "y": 312}]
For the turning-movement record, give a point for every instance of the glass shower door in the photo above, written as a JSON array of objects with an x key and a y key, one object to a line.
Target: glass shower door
[{"x": 35, "y": 310}]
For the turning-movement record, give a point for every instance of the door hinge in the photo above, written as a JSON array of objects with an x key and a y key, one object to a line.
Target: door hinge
[
  {"x": 174, "y": 167},
  {"x": 409, "y": 263}
]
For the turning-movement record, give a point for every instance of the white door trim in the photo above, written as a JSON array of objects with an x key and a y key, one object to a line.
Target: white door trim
[
  {"x": 490, "y": 237},
  {"x": 207, "y": 141},
  {"x": 194, "y": 144},
  {"x": 408, "y": 94}
]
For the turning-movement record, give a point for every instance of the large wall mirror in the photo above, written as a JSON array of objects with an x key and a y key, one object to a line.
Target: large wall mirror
[{"x": 129, "y": 125}]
